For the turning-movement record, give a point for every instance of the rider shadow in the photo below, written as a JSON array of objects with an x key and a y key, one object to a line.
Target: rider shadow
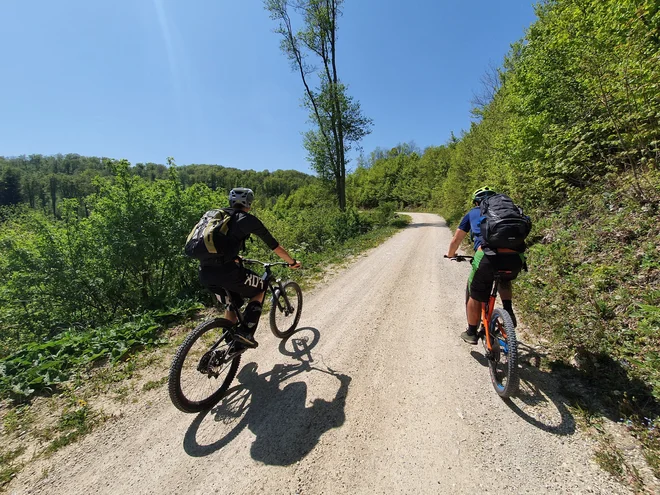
[
  {"x": 285, "y": 428},
  {"x": 538, "y": 400}
]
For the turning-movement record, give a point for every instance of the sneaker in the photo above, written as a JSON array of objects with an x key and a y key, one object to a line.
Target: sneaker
[
  {"x": 470, "y": 338},
  {"x": 246, "y": 338},
  {"x": 513, "y": 318}
]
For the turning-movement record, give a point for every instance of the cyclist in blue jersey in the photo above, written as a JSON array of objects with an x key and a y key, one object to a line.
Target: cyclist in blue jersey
[{"x": 486, "y": 262}]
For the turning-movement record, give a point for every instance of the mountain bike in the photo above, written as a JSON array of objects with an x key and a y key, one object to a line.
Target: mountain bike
[
  {"x": 499, "y": 340},
  {"x": 207, "y": 360}
]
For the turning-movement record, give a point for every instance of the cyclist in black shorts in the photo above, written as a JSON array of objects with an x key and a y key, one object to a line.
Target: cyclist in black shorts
[
  {"x": 486, "y": 262},
  {"x": 226, "y": 272}
]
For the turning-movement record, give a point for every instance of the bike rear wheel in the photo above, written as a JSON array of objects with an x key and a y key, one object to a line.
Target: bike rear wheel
[
  {"x": 503, "y": 362},
  {"x": 284, "y": 317},
  {"x": 200, "y": 373}
]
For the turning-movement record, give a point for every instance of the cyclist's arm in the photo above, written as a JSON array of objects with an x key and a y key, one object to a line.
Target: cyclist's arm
[
  {"x": 250, "y": 224},
  {"x": 255, "y": 226},
  {"x": 461, "y": 232},
  {"x": 281, "y": 252},
  {"x": 456, "y": 242}
]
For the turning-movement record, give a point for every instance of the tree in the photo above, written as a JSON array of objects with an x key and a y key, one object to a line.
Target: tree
[
  {"x": 10, "y": 187},
  {"x": 338, "y": 118}
]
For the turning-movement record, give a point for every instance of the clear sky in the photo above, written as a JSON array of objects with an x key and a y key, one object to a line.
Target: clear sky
[{"x": 204, "y": 81}]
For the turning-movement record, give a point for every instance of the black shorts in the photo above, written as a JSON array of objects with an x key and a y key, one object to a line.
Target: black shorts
[
  {"x": 238, "y": 280},
  {"x": 483, "y": 272}
]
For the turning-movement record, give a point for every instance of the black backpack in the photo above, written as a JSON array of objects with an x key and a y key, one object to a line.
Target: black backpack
[
  {"x": 209, "y": 238},
  {"x": 503, "y": 223}
]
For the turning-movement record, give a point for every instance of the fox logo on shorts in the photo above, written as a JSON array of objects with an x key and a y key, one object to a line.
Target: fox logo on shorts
[{"x": 254, "y": 280}]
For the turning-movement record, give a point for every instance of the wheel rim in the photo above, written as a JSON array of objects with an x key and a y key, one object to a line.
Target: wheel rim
[
  {"x": 285, "y": 317},
  {"x": 204, "y": 370}
]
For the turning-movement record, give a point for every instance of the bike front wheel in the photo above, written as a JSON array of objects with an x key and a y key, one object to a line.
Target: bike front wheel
[
  {"x": 503, "y": 362},
  {"x": 203, "y": 367},
  {"x": 285, "y": 309}
]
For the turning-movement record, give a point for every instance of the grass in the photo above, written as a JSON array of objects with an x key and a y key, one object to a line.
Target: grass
[
  {"x": 610, "y": 458},
  {"x": 151, "y": 385},
  {"x": 76, "y": 420},
  {"x": 606, "y": 453},
  {"x": 649, "y": 437},
  {"x": 18, "y": 419},
  {"x": 592, "y": 294},
  {"x": 9, "y": 468}
]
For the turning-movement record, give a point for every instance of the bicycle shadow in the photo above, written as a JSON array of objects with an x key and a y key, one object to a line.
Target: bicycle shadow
[
  {"x": 538, "y": 400},
  {"x": 285, "y": 428}
]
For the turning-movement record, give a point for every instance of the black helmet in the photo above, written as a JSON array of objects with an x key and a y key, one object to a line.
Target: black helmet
[{"x": 241, "y": 196}]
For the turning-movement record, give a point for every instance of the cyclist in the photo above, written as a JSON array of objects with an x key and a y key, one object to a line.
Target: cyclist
[
  {"x": 486, "y": 262},
  {"x": 227, "y": 272}
]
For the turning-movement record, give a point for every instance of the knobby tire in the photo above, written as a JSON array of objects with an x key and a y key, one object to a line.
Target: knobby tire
[
  {"x": 505, "y": 377},
  {"x": 179, "y": 397},
  {"x": 280, "y": 329}
]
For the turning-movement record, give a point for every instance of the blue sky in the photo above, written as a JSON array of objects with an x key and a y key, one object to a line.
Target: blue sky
[{"x": 204, "y": 81}]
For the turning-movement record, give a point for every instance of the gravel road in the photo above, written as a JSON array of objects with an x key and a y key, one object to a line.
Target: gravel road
[{"x": 375, "y": 394}]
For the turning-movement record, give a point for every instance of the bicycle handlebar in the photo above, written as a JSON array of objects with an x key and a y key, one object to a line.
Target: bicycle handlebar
[
  {"x": 265, "y": 265},
  {"x": 460, "y": 257}
]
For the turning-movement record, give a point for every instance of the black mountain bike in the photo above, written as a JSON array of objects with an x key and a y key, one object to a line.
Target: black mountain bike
[
  {"x": 207, "y": 361},
  {"x": 499, "y": 340}
]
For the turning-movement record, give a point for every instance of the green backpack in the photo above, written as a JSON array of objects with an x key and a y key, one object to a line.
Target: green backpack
[{"x": 209, "y": 239}]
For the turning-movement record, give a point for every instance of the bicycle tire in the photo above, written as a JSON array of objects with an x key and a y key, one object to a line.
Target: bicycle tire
[
  {"x": 180, "y": 398},
  {"x": 505, "y": 377},
  {"x": 284, "y": 329}
]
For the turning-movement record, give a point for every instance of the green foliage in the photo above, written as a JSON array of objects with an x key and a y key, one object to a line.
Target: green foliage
[
  {"x": 41, "y": 366},
  {"x": 124, "y": 255},
  {"x": 44, "y": 182},
  {"x": 401, "y": 176},
  {"x": 10, "y": 187},
  {"x": 38, "y": 367}
]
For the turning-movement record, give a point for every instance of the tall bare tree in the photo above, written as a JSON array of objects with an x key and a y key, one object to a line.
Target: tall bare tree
[{"x": 339, "y": 122}]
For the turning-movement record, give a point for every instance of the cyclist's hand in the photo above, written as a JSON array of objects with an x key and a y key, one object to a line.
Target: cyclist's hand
[{"x": 295, "y": 265}]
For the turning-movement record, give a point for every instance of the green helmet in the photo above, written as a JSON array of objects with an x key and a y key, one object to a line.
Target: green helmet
[{"x": 482, "y": 193}]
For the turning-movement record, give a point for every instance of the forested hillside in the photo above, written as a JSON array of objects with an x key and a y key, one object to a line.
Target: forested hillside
[
  {"x": 569, "y": 126},
  {"x": 43, "y": 181}
]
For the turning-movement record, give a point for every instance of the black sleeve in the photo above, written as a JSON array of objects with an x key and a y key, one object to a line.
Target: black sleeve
[{"x": 250, "y": 224}]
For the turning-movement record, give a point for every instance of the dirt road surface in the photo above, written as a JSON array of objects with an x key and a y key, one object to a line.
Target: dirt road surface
[{"x": 376, "y": 394}]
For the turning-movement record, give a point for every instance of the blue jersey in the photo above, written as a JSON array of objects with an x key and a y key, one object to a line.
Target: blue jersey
[{"x": 470, "y": 223}]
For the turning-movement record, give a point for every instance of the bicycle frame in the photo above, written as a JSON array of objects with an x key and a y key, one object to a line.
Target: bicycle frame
[
  {"x": 271, "y": 283},
  {"x": 487, "y": 312}
]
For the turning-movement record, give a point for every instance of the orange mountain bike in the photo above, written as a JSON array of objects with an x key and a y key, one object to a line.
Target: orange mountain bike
[{"x": 499, "y": 340}]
